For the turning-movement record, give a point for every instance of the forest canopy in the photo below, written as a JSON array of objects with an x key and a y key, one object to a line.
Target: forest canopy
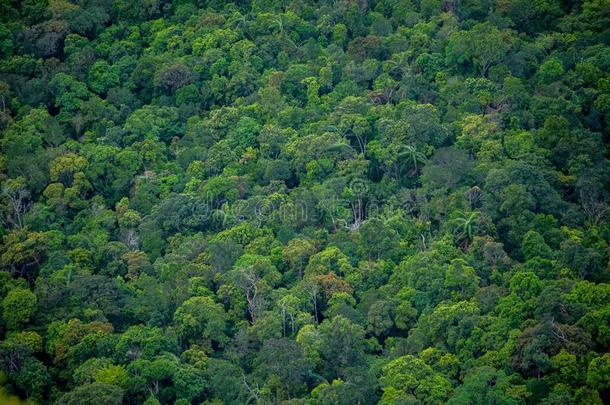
[{"x": 304, "y": 202}]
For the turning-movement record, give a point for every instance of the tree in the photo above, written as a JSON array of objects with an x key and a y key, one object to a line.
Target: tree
[
  {"x": 483, "y": 45},
  {"x": 378, "y": 239},
  {"x": 32, "y": 378},
  {"x": 540, "y": 342},
  {"x": 330, "y": 259},
  {"x": 65, "y": 167},
  {"x": 297, "y": 252},
  {"x": 408, "y": 376},
  {"x": 152, "y": 123},
  {"x": 484, "y": 385},
  {"x": 535, "y": 246},
  {"x": 189, "y": 382},
  {"x": 200, "y": 319},
  {"x": 466, "y": 226},
  {"x": 24, "y": 140},
  {"x": 14, "y": 196},
  {"x": 18, "y": 307},
  {"x": 103, "y": 77},
  {"x": 155, "y": 374},
  {"x": 111, "y": 170},
  {"x": 550, "y": 71},
  {"x": 70, "y": 93},
  {"x": 283, "y": 366},
  {"x": 341, "y": 345},
  {"x": 142, "y": 342},
  {"x": 339, "y": 392},
  {"x": 255, "y": 275},
  {"x": 380, "y": 318},
  {"x": 461, "y": 280},
  {"x": 174, "y": 77},
  {"x": 86, "y": 372},
  {"x": 597, "y": 373},
  {"x": 112, "y": 375},
  {"x": 99, "y": 393},
  {"x": 414, "y": 156},
  {"x": 395, "y": 158},
  {"x": 226, "y": 381}
]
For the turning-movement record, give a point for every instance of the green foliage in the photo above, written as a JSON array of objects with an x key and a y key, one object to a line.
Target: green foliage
[
  {"x": 350, "y": 202},
  {"x": 409, "y": 377},
  {"x": 97, "y": 392},
  {"x": 199, "y": 319},
  {"x": 484, "y": 385},
  {"x": 18, "y": 307}
]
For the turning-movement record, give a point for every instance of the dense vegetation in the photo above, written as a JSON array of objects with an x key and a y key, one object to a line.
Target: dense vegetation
[{"x": 305, "y": 202}]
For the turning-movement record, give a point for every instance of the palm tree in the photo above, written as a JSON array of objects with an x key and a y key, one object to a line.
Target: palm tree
[
  {"x": 238, "y": 21},
  {"x": 400, "y": 63},
  {"x": 465, "y": 226},
  {"x": 413, "y": 156},
  {"x": 337, "y": 147},
  {"x": 279, "y": 23}
]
